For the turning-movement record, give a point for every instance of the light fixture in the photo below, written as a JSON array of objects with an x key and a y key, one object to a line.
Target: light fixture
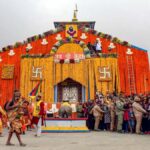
[
  {"x": 44, "y": 42},
  {"x": 83, "y": 36},
  {"x": 111, "y": 46},
  {"x": 11, "y": 52},
  {"x": 129, "y": 52},
  {"x": 28, "y": 48},
  {"x": 58, "y": 37}
]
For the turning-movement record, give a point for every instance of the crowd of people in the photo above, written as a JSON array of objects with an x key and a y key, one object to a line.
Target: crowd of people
[
  {"x": 120, "y": 113},
  {"x": 112, "y": 112}
]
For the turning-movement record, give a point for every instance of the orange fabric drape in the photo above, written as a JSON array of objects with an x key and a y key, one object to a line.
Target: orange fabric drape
[{"x": 141, "y": 64}]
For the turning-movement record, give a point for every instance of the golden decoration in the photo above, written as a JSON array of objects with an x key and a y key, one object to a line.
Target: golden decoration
[{"x": 8, "y": 72}]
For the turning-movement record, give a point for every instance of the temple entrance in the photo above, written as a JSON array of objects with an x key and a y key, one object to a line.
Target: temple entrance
[{"x": 69, "y": 90}]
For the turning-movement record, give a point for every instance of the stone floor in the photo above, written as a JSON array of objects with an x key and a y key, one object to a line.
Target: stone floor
[{"x": 80, "y": 141}]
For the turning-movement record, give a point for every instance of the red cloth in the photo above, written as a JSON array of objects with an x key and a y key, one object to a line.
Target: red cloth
[
  {"x": 0, "y": 115},
  {"x": 42, "y": 111},
  {"x": 126, "y": 115},
  {"x": 35, "y": 120}
]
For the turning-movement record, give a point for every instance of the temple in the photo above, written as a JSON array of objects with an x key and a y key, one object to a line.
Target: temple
[{"x": 72, "y": 62}]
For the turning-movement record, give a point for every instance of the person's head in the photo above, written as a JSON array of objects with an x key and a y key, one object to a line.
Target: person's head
[
  {"x": 16, "y": 95},
  {"x": 137, "y": 99},
  {"x": 130, "y": 105},
  {"x": 38, "y": 97},
  {"x": 101, "y": 97},
  {"x": 25, "y": 103},
  {"x": 115, "y": 98},
  {"x": 148, "y": 99}
]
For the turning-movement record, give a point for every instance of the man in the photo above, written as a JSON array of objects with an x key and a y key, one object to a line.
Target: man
[
  {"x": 14, "y": 113},
  {"x": 138, "y": 112},
  {"x": 38, "y": 115},
  {"x": 119, "y": 113},
  {"x": 97, "y": 113},
  {"x": 98, "y": 46},
  {"x": 2, "y": 113},
  {"x": 65, "y": 110},
  {"x": 79, "y": 109},
  {"x": 112, "y": 113}
]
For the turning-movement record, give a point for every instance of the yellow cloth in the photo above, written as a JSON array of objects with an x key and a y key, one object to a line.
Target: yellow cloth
[
  {"x": 36, "y": 108},
  {"x": 2, "y": 111},
  {"x": 1, "y": 126},
  {"x": 65, "y": 104},
  {"x": 85, "y": 72}
]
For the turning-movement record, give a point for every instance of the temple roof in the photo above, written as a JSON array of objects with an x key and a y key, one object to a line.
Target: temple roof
[{"x": 81, "y": 24}]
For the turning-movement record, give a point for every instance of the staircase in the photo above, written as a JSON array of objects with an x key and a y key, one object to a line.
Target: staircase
[{"x": 131, "y": 75}]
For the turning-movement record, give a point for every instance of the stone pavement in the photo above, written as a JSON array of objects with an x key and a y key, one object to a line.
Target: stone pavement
[{"x": 79, "y": 141}]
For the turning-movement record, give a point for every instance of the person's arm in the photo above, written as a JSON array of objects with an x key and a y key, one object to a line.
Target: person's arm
[
  {"x": 2, "y": 111},
  {"x": 91, "y": 111},
  {"x": 140, "y": 108},
  {"x": 99, "y": 110},
  {"x": 8, "y": 107},
  {"x": 119, "y": 106}
]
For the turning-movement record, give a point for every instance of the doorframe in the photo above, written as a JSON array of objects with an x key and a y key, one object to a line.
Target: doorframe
[{"x": 83, "y": 93}]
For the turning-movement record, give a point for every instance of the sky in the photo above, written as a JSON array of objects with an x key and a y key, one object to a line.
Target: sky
[{"x": 128, "y": 20}]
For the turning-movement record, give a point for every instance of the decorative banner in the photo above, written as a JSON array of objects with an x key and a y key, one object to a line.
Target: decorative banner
[
  {"x": 63, "y": 56},
  {"x": 8, "y": 72},
  {"x": 71, "y": 31},
  {"x": 37, "y": 73},
  {"x": 105, "y": 73}
]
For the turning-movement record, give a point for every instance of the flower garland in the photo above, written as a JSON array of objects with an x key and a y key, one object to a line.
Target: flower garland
[
  {"x": 57, "y": 30},
  {"x": 35, "y": 56},
  {"x": 112, "y": 55},
  {"x": 31, "y": 39},
  {"x": 71, "y": 40},
  {"x": 106, "y": 36},
  {"x": 101, "y": 55}
]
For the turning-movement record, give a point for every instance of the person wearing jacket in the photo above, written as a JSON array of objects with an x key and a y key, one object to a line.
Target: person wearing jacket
[
  {"x": 97, "y": 113},
  {"x": 119, "y": 113},
  {"x": 138, "y": 112},
  {"x": 112, "y": 114}
]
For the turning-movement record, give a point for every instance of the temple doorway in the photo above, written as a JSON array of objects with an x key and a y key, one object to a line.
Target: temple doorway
[{"x": 69, "y": 90}]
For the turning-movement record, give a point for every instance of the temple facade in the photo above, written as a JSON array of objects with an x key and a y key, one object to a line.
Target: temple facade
[{"x": 73, "y": 61}]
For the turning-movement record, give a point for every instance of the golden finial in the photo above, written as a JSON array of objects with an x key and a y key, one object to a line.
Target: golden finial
[{"x": 75, "y": 14}]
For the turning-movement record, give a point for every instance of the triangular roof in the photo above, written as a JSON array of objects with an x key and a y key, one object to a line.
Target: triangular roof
[{"x": 85, "y": 26}]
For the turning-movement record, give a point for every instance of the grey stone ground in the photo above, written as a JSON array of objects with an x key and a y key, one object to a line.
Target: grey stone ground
[{"x": 80, "y": 141}]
